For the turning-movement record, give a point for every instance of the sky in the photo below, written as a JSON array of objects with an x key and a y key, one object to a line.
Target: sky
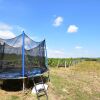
[{"x": 71, "y": 27}]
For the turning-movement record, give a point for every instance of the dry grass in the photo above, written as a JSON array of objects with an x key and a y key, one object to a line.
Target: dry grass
[{"x": 80, "y": 82}]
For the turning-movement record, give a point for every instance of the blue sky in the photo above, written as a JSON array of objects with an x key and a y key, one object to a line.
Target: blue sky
[{"x": 71, "y": 27}]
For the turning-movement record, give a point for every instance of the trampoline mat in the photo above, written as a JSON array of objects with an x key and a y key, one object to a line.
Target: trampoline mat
[{"x": 18, "y": 75}]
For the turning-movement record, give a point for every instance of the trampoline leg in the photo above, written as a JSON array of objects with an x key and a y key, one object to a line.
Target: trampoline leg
[{"x": 23, "y": 85}]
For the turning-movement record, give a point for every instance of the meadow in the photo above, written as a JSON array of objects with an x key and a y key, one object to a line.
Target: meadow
[{"x": 80, "y": 81}]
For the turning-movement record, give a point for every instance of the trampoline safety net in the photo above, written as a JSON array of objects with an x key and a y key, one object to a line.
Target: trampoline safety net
[{"x": 11, "y": 51}]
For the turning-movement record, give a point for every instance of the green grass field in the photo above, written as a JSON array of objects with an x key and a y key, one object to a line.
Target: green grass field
[{"x": 79, "y": 82}]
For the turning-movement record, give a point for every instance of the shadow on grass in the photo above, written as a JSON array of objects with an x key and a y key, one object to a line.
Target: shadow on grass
[
  {"x": 11, "y": 85},
  {"x": 17, "y": 84}
]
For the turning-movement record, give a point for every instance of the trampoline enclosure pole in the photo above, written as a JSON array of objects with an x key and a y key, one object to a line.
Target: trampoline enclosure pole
[
  {"x": 23, "y": 57},
  {"x": 46, "y": 58}
]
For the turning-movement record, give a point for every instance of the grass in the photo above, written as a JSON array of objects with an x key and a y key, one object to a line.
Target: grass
[
  {"x": 15, "y": 98},
  {"x": 79, "y": 82}
]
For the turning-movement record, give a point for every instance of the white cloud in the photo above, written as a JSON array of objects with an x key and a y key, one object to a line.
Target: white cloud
[
  {"x": 4, "y": 27},
  {"x": 58, "y": 21},
  {"x": 56, "y": 54},
  {"x": 6, "y": 34},
  {"x": 69, "y": 54},
  {"x": 6, "y": 31},
  {"x": 72, "y": 29},
  {"x": 78, "y": 47}
]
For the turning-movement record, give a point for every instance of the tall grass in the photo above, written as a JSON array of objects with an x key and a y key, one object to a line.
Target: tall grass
[{"x": 80, "y": 82}]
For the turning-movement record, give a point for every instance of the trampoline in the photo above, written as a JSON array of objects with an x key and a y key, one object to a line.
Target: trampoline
[{"x": 22, "y": 57}]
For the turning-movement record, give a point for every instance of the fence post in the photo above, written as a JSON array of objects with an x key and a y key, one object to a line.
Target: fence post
[{"x": 65, "y": 63}]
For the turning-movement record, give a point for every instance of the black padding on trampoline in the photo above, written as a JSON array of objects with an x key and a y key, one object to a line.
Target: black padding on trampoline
[{"x": 17, "y": 75}]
